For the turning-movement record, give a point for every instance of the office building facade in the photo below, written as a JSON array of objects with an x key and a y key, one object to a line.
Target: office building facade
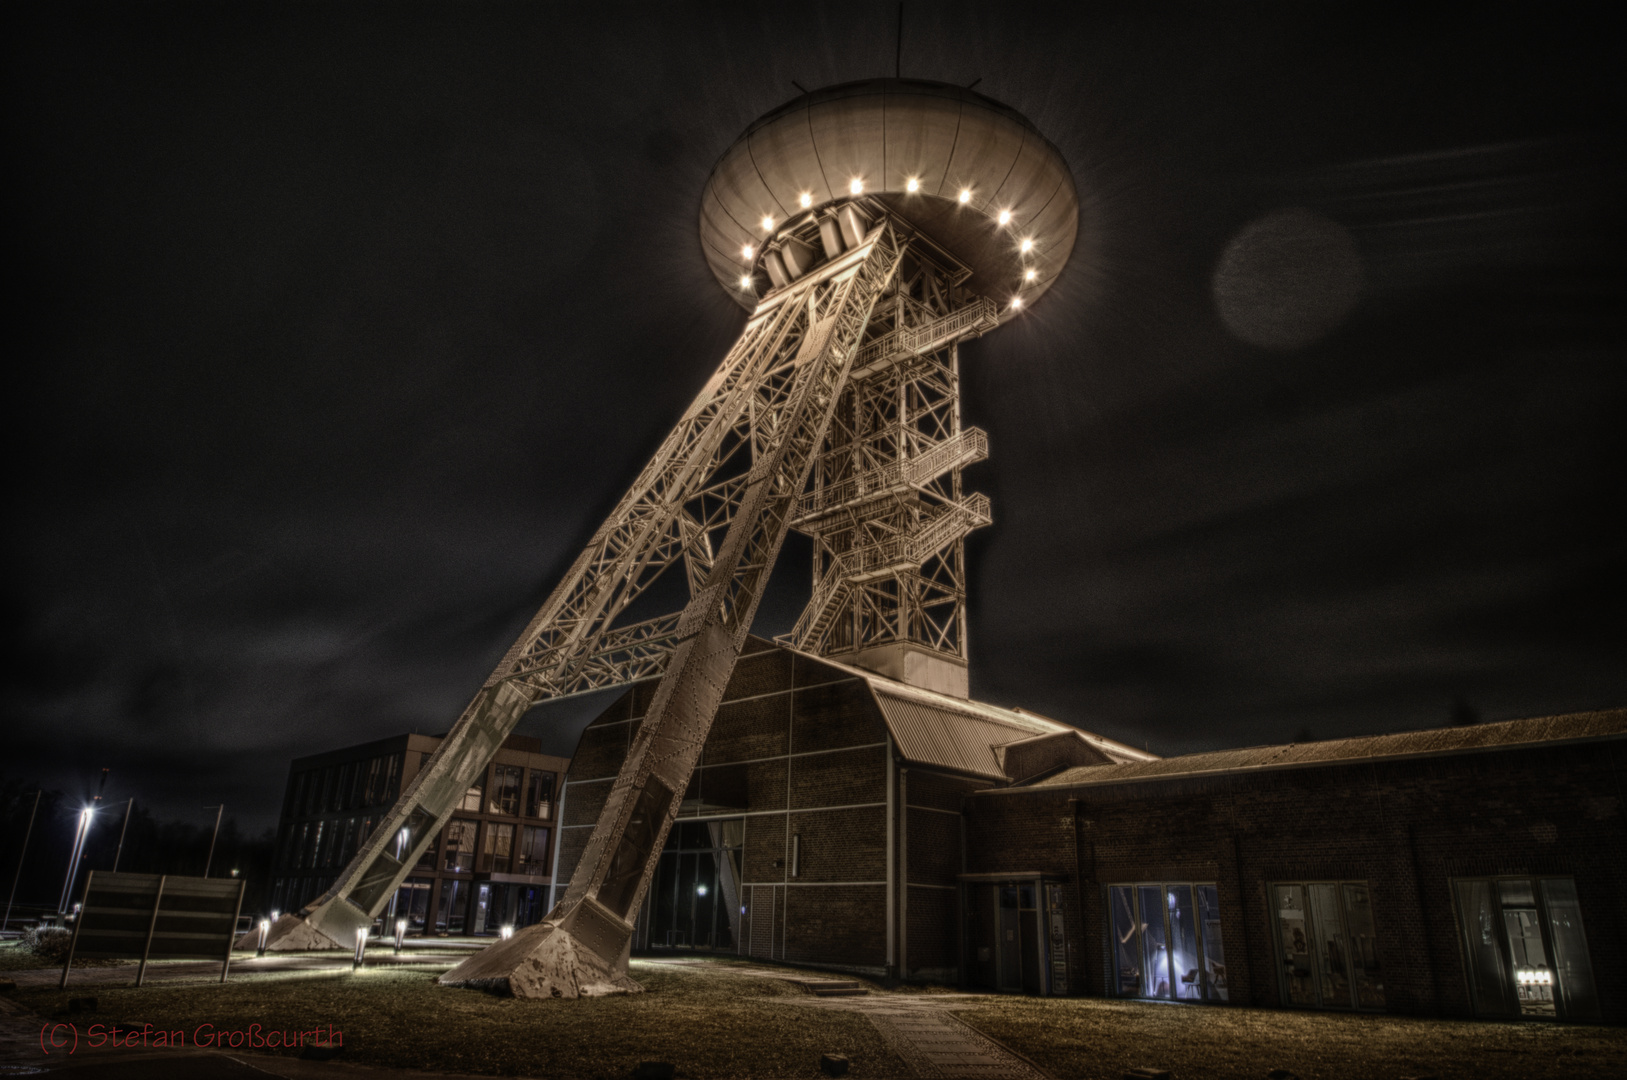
[{"x": 488, "y": 868}]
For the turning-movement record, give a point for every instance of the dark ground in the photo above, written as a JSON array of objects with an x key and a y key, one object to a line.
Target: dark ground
[{"x": 713, "y": 1021}]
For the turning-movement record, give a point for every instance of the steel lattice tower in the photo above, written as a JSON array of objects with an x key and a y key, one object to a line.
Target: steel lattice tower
[
  {"x": 882, "y": 224},
  {"x": 885, "y": 506}
]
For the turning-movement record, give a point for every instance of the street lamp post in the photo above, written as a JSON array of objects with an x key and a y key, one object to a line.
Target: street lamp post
[
  {"x": 85, "y": 817},
  {"x": 18, "y": 876},
  {"x": 79, "y": 835}
]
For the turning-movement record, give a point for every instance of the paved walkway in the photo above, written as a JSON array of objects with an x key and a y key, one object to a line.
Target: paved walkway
[
  {"x": 923, "y": 1030},
  {"x": 920, "y": 1028}
]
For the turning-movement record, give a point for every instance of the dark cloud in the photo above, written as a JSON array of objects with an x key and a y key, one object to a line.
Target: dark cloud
[{"x": 336, "y": 332}]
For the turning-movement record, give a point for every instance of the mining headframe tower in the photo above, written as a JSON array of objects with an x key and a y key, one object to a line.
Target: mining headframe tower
[{"x": 868, "y": 229}]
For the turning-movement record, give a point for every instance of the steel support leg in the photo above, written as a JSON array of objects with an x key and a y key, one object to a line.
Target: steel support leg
[{"x": 583, "y": 946}]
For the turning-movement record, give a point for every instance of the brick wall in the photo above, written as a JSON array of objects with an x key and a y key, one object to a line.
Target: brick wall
[
  {"x": 798, "y": 748},
  {"x": 1405, "y": 826},
  {"x": 931, "y": 853}
]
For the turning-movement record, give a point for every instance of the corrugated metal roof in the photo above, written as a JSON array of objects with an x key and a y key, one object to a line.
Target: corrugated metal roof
[
  {"x": 960, "y": 734},
  {"x": 935, "y": 736},
  {"x": 1549, "y": 729}
]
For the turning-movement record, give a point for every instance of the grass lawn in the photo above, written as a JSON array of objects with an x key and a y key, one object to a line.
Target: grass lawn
[
  {"x": 15, "y": 956},
  {"x": 1091, "y": 1038},
  {"x": 713, "y": 1021},
  {"x": 706, "y": 1021}
]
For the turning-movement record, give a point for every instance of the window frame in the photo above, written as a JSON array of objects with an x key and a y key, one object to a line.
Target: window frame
[
  {"x": 488, "y": 859},
  {"x": 540, "y": 809},
  {"x": 502, "y": 799},
  {"x": 1353, "y": 992},
  {"x": 452, "y": 856},
  {"x": 1210, "y": 990},
  {"x": 1511, "y": 1009},
  {"x": 522, "y": 865}
]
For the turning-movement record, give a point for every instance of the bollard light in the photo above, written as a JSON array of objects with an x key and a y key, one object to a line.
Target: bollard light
[
  {"x": 274, "y": 914},
  {"x": 400, "y": 933},
  {"x": 361, "y": 945},
  {"x": 506, "y": 932},
  {"x": 265, "y": 932}
]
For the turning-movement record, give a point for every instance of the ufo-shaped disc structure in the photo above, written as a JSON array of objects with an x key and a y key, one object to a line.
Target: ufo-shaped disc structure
[{"x": 975, "y": 176}]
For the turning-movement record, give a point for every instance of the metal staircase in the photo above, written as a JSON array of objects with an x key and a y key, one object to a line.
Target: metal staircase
[
  {"x": 977, "y": 316},
  {"x": 908, "y": 551},
  {"x": 955, "y": 452}
]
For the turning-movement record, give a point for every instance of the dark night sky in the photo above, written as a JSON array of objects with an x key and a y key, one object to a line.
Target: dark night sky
[{"x": 334, "y": 334}]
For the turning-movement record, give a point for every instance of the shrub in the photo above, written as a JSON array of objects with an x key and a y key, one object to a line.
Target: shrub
[{"x": 48, "y": 942}]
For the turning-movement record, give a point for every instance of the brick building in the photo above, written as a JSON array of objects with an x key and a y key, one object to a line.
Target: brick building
[
  {"x": 840, "y": 818},
  {"x": 489, "y": 866},
  {"x": 1471, "y": 871},
  {"x": 824, "y": 823}
]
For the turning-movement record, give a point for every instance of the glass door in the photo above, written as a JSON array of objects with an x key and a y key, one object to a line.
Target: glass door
[
  {"x": 1166, "y": 941},
  {"x": 1009, "y": 941},
  {"x": 1524, "y": 948},
  {"x": 1326, "y": 945},
  {"x": 1294, "y": 943},
  {"x": 1214, "y": 955},
  {"x": 695, "y": 900}
]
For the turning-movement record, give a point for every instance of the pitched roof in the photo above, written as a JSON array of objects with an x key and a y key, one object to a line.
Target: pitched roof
[
  {"x": 959, "y": 734},
  {"x": 1547, "y": 730}
]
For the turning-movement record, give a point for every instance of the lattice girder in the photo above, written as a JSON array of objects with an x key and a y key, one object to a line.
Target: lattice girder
[
  {"x": 885, "y": 506},
  {"x": 743, "y": 446}
]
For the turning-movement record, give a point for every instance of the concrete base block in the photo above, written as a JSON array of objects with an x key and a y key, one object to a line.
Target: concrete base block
[
  {"x": 289, "y": 933},
  {"x": 541, "y": 961}
]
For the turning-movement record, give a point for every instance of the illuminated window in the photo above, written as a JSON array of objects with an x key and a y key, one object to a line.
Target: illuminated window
[
  {"x": 497, "y": 849},
  {"x": 1167, "y": 941},
  {"x": 505, "y": 790},
  {"x": 1525, "y": 949},
  {"x": 460, "y": 845}
]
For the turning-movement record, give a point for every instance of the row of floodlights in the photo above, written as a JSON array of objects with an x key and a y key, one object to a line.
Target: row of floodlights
[
  {"x": 362, "y": 933},
  {"x": 856, "y": 187}
]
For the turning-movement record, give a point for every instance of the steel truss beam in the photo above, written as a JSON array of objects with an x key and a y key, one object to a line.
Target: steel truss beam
[
  {"x": 583, "y": 945},
  {"x": 717, "y": 495}
]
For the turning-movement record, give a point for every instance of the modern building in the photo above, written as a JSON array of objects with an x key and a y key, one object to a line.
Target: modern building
[
  {"x": 488, "y": 868},
  {"x": 841, "y": 818}
]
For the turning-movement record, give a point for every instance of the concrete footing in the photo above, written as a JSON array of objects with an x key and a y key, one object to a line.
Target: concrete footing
[
  {"x": 541, "y": 961},
  {"x": 289, "y": 933}
]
